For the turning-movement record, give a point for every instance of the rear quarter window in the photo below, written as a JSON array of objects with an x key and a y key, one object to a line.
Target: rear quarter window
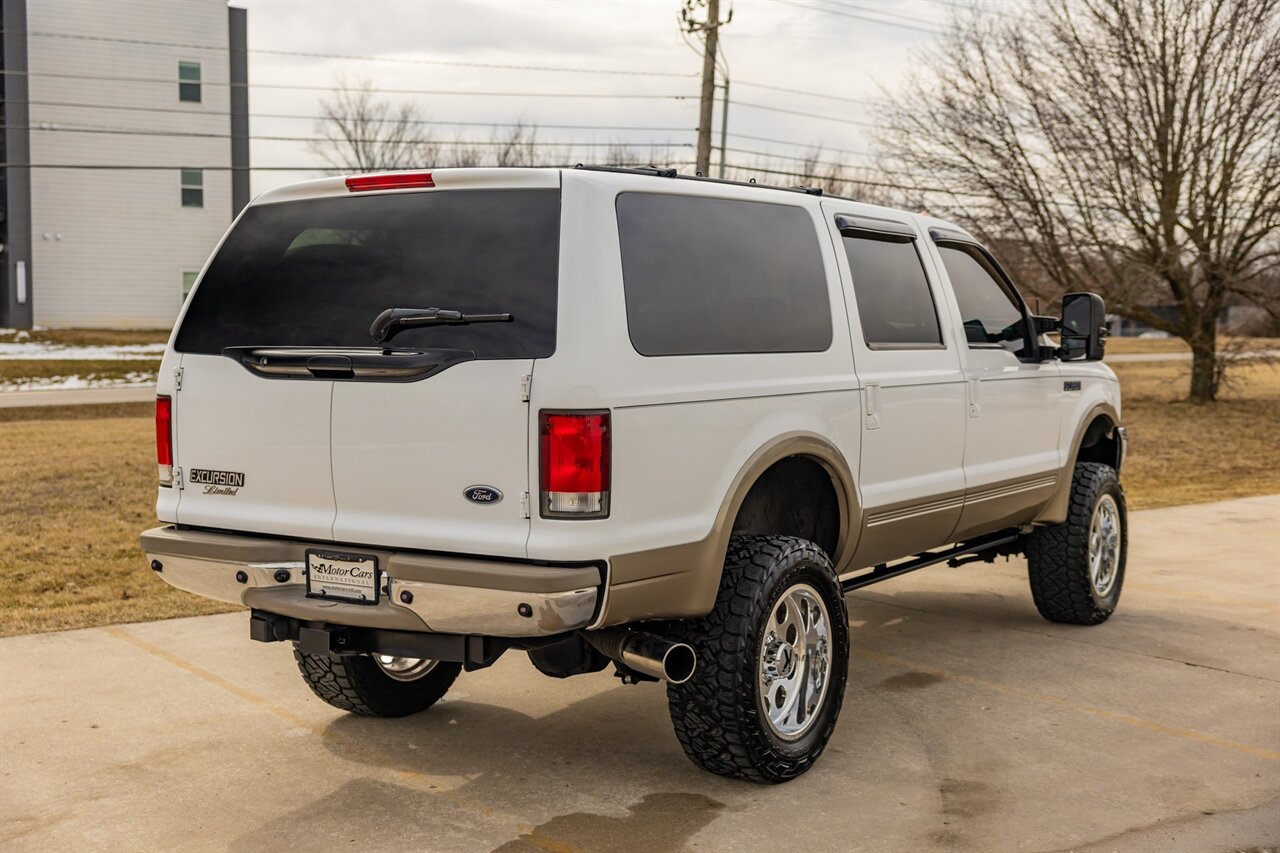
[
  {"x": 713, "y": 276},
  {"x": 317, "y": 272}
]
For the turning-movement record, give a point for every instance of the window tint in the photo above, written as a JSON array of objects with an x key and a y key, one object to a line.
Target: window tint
[
  {"x": 991, "y": 314},
  {"x": 708, "y": 276},
  {"x": 894, "y": 302},
  {"x": 317, "y": 272},
  {"x": 189, "y": 81},
  {"x": 192, "y": 188}
]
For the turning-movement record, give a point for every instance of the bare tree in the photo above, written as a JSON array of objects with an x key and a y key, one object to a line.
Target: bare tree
[
  {"x": 1129, "y": 146},
  {"x": 362, "y": 132}
]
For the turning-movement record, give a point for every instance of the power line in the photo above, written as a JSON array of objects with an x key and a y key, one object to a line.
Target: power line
[
  {"x": 804, "y": 114},
  {"x": 804, "y": 92},
  {"x": 357, "y": 57},
  {"x": 438, "y": 62},
  {"x": 256, "y": 115},
  {"x": 888, "y": 14},
  {"x": 316, "y": 88},
  {"x": 857, "y": 17},
  {"x": 807, "y": 145},
  {"x": 257, "y": 138}
]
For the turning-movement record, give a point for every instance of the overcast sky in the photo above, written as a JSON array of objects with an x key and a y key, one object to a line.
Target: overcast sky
[{"x": 827, "y": 47}]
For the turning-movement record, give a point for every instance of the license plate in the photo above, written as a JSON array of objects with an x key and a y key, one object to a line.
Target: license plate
[{"x": 342, "y": 577}]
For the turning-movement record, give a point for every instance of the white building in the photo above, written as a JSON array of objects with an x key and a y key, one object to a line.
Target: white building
[{"x": 126, "y": 155}]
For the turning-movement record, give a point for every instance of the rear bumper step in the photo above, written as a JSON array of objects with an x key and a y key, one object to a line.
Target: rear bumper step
[{"x": 420, "y": 592}]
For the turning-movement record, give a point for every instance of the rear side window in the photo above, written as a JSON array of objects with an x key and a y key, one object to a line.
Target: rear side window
[
  {"x": 990, "y": 312},
  {"x": 894, "y": 303},
  {"x": 316, "y": 273},
  {"x": 706, "y": 276}
]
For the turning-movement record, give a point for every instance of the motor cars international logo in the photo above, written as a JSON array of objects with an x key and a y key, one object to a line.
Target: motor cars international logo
[{"x": 217, "y": 482}]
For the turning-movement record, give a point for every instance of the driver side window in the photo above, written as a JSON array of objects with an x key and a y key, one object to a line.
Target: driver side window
[{"x": 992, "y": 315}]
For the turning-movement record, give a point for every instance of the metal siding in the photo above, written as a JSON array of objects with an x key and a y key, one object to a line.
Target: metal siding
[
  {"x": 17, "y": 179},
  {"x": 111, "y": 244},
  {"x": 238, "y": 39}
]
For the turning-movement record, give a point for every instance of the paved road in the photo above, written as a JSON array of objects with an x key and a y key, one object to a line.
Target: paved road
[
  {"x": 77, "y": 396},
  {"x": 969, "y": 724}
]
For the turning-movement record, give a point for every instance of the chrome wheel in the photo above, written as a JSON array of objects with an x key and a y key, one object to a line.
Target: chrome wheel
[
  {"x": 404, "y": 669},
  {"x": 1104, "y": 546},
  {"x": 795, "y": 661}
]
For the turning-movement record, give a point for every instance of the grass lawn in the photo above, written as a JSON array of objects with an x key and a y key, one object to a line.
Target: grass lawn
[
  {"x": 85, "y": 337},
  {"x": 77, "y": 485},
  {"x": 17, "y": 372}
]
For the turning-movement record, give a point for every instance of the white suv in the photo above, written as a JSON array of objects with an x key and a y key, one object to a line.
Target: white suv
[{"x": 415, "y": 420}]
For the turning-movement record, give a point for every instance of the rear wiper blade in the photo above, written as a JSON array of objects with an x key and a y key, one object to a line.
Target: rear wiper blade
[{"x": 395, "y": 320}]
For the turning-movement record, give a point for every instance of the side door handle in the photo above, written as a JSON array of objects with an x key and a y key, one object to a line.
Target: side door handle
[
  {"x": 975, "y": 398},
  {"x": 872, "y": 411}
]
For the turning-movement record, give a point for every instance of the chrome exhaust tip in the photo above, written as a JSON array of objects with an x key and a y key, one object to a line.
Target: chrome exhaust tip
[{"x": 646, "y": 653}]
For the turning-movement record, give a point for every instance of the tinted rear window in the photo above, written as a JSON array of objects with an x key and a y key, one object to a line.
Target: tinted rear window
[
  {"x": 715, "y": 276},
  {"x": 317, "y": 272},
  {"x": 894, "y": 303}
]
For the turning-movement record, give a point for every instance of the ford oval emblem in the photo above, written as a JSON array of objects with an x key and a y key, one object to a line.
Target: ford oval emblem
[{"x": 482, "y": 494}]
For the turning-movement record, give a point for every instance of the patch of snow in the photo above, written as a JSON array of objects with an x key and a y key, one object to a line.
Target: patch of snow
[
  {"x": 60, "y": 352},
  {"x": 132, "y": 379}
]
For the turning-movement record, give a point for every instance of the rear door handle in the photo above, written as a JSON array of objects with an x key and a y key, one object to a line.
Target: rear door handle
[{"x": 872, "y": 412}]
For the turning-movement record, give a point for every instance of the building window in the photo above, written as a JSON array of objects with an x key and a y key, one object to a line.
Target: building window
[
  {"x": 192, "y": 188},
  {"x": 188, "y": 281},
  {"x": 189, "y": 81}
]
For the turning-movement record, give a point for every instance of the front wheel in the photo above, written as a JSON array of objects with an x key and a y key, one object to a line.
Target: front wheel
[
  {"x": 1076, "y": 568},
  {"x": 772, "y": 660},
  {"x": 376, "y": 685}
]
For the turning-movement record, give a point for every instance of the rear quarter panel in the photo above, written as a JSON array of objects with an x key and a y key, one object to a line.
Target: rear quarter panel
[{"x": 684, "y": 427}]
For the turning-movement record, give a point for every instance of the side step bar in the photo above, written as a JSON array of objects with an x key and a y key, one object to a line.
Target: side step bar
[{"x": 984, "y": 548}]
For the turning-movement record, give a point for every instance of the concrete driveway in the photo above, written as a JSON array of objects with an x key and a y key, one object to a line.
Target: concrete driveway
[{"x": 969, "y": 724}]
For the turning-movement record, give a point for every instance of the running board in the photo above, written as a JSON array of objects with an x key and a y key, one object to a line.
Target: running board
[{"x": 986, "y": 547}]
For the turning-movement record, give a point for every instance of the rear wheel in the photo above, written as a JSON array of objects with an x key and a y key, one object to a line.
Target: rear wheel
[
  {"x": 1076, "y": 568},
  {"x": 772, "y": 662},
  {"x": 376, "y": 685}
]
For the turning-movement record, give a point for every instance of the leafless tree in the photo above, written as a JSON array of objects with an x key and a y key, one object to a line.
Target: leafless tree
[
  {"x": 363, "y": 132},
  {"x": 1129, "y": 146}
]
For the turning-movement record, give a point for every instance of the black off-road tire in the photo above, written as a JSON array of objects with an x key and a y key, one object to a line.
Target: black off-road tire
[
  {"x": 718, "y": 714},
  {"x": 357, "y": 684},
  {"x": 1058, "y": 555}
]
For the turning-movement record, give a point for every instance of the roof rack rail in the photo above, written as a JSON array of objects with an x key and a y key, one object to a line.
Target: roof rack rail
[
  {"x": 636, "y": 170},
  {"x": 672, "y": 173}
]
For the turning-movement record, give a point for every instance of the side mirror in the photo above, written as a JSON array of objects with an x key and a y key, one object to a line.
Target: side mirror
[{"x": 1084, "y": 325}]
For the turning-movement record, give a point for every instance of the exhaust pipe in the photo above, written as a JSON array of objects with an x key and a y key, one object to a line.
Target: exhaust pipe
[{"x": 646, "y": 653}]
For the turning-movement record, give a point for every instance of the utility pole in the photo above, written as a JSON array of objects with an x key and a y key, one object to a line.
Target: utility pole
[{"x": 710, "y": 30}]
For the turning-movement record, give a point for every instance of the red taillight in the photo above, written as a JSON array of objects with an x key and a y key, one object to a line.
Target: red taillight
[
  {"x": 164, "y": 439},
  {"x": 573, "y": 462},
  {"x": 390, "y": 181}
]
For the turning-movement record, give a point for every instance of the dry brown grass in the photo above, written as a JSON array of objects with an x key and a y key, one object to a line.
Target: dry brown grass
[
  {"x": 1124, "y": 346},
  {"x": 75, "y": 491},
  {"x": 1184, "y": 452},
  {"x": 87, "y": 337},
  {"x": 17, "y": 371},
  {"x": 77, "y": 485}
]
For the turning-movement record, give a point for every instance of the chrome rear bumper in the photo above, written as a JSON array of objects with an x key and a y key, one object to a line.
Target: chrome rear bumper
[{"x": 421, "y": 592}]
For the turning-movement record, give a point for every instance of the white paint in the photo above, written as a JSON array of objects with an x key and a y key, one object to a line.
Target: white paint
[{"x": 115, "y": 237}]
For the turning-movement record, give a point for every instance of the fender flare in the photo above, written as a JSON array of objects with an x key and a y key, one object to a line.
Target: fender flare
[
  {"x": 784, "y": 446},
  {"x": 682, "y": 581},
  {"x": 1055, "y": 511}
]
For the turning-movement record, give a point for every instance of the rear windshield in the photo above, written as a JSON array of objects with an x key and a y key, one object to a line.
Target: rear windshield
[{"x": 316, "y": 273}]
